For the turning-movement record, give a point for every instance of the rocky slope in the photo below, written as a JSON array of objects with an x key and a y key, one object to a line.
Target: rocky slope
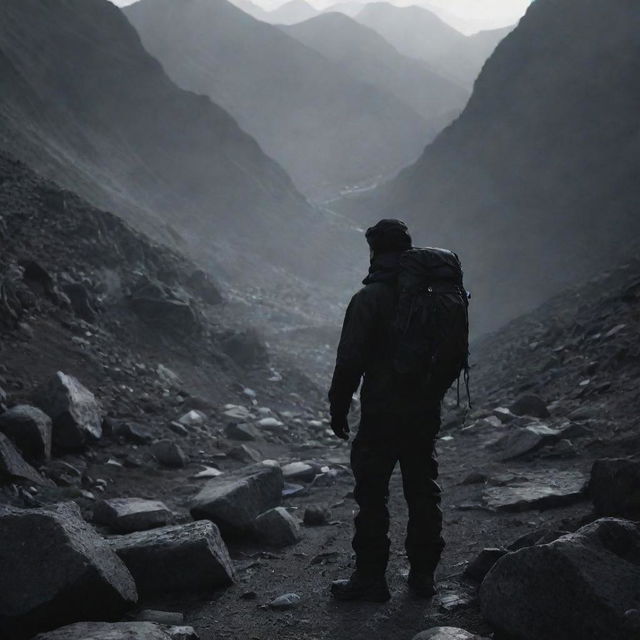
[
  {"x": 536, "y": 183},
  {"x": 84, "y": 103},
  {"x": 326, "y": 128},
  {"x": 366, "y": 55}
]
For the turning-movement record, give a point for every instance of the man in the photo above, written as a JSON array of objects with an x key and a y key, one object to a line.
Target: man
[{"x": 400, "y": 419}]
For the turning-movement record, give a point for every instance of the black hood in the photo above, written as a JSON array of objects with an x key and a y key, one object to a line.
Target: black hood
[{"x": 384, "y": 268}]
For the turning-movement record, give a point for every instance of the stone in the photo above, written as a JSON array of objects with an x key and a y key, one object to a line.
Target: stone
[
  {"x": 615, "y": 487},
  {"x": 530, "y": 404},
  {"x": 189, "y": 557},
  {"x": 246, "y": 348},
  {"x": 119, "y": 631},
  {"x": 236, "y": 412},
  {"x": 537, "y": 490},
  {"x": 445, "y": 633},
  {"x": 57, "y": 570},
  {"x": 132, "y": 432},
  {"x": 73, "y": 409},
  {"x": 242, "y": 432},
  {"x": 13, "y": 467},
  {"x": 207, "y": 473},
  {"x": 285, "y": 601},
  {"x": 478, "y": 568},
  {"x": 64, "y": 473},
  {"x": 125, "y": 515},
  {"x": 504, "y": 415},
  {"x": 316, "y": 516},
  {"x": 193, "y": 418},
  {"x": 236, "y": 499},
  {"x": 290, "y": 490},
  {"x": 271, "y": 424},
  {"x": 523, "y": 441},
  {"x": 30, "y": 430},
  {"x": 300, "y": 471},
  {"x": 245, "y": 454},
  {"x": 169, "y": 454},
  {"x": 161, "y": 617},
  {"x": 168, "y": 376},
  {"x": 579, "y": 586},
  {"x": 277, "y": 528}
]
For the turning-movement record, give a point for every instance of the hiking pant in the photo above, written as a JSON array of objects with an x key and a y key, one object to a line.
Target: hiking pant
[{"x": 381, "y": 442}]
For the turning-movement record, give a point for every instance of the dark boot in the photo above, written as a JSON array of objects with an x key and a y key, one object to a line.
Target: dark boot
[
  {"x": 422, "y": 583},
  {"x": 367, "y": 588}
]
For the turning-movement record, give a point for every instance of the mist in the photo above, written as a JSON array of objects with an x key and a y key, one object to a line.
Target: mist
[{"x": 274, "y": 273}]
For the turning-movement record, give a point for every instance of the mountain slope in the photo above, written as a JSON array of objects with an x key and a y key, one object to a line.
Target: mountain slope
[
  {"x": 84, "y": 103},
  {"x": 291, "y": 12},
  {"x": 419, "y": 33},
  {"x": 367, "y": 55},
  {"x": 536, "y": 185},
  {"x": 325, "y": 127}
]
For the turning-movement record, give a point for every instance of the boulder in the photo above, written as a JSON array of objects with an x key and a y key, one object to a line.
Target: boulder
[
  {"x": 119, "y": 631},
  {"x": 537, "y": 490},
  {"x": 579, "y": 586},
  {"x": 445, "y": 633},
  {"x": 615, "y": 487},
  {"x": 316, "y": 516},
  {"x": 126, "y": 515},
  {"x": 190, "y": 557},
  {"x": 132, "y": 432},
  {"x": 169, "y": 454},
  {"x": 523, "y": 441},
  {"x": 235, "y": 500},
  {"x": 296, "y": 471},
  {"x": 530, "y": 404},
  {"x": 245, "y": 454},
  {"x": 277, "y": 528},
  {"x": 13, "y": 468},
  {"x": 56, "y": 570},
  {"x": 285, "y": 601},
  {"x": 242, "y": 432},
  {"x": 73, "y": 409},
  {"x": 30, "y": 430},
  {"x": 193, "y": 418},
  {"x": 478, "y": 568}
]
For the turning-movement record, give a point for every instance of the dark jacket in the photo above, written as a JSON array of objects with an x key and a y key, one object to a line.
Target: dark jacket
[{"x": 366, "y": 351}]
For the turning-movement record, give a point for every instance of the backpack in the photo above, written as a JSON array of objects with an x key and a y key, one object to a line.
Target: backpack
[{"x": 431, "y": 326}]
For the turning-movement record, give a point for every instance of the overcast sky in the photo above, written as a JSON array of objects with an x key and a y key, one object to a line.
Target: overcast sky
[{"x": 475, "y": 14}]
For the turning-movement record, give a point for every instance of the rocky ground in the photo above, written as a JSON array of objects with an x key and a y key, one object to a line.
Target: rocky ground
[{"x": 166, "y": 419}]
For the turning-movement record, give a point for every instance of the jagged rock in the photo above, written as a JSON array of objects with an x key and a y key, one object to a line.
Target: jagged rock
[
  {"x": 125, "y": 515},
  {"x": 119, "y": 631},
  {"x": 235, "y": 500},
  {"x": 615, "y": 487},
  {"x": 13, "y": 468},
  {"x": 245, "y": 454},
  {"x": 132, "y": 432},
  {"x": 73, "y": 409},
  {"x": 530, "y": 405},
  {"x": 168, "y": 376},
  {"x": 236, "y": 413},
  {"x": 523, "y": 441},
  {"x": 245, "y": 347},
  {"x": 200, "y": 281},
  {"x": 242, "y": 432},
  {"x": 316, "y": 516},
  {"x": 30, "y": 430},
  {"x": 478, "y": 568},
  {"x": 579, "y": 586},
  {"x": 169, "y": 454},
  {"x": 63, "y": 473},
  {"x": 445, "y": 633},
  {"x": 193, "y": 418},
  {"x": 277, "y": 527},
  {"x": 537, "y": 490},
  {"x": 305, "y": 471},
  {"x": 188, "y": 557},
  {"x": 56, "y": 570},
  {"x": 285, "y": 601}
]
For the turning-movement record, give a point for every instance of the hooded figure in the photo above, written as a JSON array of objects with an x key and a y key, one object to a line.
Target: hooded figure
[{"x": 400, "y": 419}]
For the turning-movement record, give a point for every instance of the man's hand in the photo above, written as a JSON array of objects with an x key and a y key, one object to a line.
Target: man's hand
[{"x": 340, "y": 426}]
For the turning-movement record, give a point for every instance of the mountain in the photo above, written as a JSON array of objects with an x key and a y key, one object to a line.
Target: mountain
[
  {"x": 419, "y": 33},
  {"x": 350, "y": 9},
  {"x": 252, "y": 9},
  {"x": 367, "y": 55},
  {"x": 326, "y": 128},
  {"x": 537, "y": 183},
  {"x": 292, "y": 12},
  {"x": 84, "y": 103}
]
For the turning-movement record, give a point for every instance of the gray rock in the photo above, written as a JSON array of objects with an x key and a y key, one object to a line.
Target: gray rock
[
  {"x": 193, "y": 418},
  {"x": 579, "y": 586},
  {"x": 169, "y": 454},
  {"x": 132, "y": 432},
  {"x": 537, "y": 490},
  {"x": 161, "y": 617},
  {"x": 504, "y": 415},
  {"x": 245, "y": 454},
  {"x": 119, "y": 631},
  {"x": 56, "y": 570},
  {"x": 73, "y": 409},
  {"x": 530, "y": 405},
  {"x": 316, "y": 516},
  {"x": 190, "y": 557},
  {"x": 30, "y": 430},
  {"x": 615, "y": 487},
  {"x": 445, "y": 633},
  {"x": 13, "y": 468},
  {"x": 235, "y": 500},
  {"x": 242, "y": 432},
  {"x": 64, "y": 473},
  {"x": 125, "y": 515},
  {"x": 277, "y": 527},
  {"x": 300, "y": 471},
  {"x": 285, "y": 601},
  {"x": 478, "y": 568},
  {"x": 523, "y": 441}
]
